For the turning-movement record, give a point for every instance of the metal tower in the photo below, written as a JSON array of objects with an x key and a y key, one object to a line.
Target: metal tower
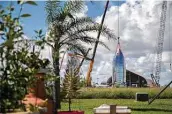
[{"x": 160, "y": 43}]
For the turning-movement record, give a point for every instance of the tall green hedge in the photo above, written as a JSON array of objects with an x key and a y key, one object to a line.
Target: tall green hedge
[{"x": 121, "y": 93}]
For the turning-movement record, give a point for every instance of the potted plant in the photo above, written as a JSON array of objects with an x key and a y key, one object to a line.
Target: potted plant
[{"x": 70, "y": 87}]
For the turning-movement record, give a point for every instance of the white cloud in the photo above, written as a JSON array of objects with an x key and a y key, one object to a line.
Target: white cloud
[
  {"x": 83, "y": 12},
  {"x": 139, "y": 24}
]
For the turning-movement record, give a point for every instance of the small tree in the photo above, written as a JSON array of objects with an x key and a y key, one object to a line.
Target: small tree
[{"x": 71, "y": 83}]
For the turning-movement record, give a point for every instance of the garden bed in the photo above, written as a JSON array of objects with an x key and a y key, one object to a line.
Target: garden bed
[{"x": 71, "y": 112}]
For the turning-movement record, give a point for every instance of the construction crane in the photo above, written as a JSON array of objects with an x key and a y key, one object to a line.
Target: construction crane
[
  {"x": 88, "y": 78},
  {"x": 156, "y": 78},
  {"x": 162, "y": 90},
  {"x": 77, "y": 55}
]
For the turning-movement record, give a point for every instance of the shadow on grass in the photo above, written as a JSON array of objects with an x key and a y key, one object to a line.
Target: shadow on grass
[{"x": 151, "y": 109}]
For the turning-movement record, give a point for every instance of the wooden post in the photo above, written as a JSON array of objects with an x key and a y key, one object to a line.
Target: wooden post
[
  {"x": 40, "y": 87},
  {"x": 112, "y": 109}
]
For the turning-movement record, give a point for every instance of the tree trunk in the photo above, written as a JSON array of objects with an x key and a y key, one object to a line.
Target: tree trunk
[
  {"x": 2, "y": 108},
  {"x": 56, "y": 96},
  {"x": 69, "y": 104}
]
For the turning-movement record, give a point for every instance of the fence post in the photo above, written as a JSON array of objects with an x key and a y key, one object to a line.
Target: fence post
[{"x": 112, "y": 109}]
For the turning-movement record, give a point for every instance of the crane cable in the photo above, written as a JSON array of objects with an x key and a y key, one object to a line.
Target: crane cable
[
  {"x": 118, "y": 18},
  {"x": 169, "y": 39},
  {"x": 116, "y": 69}
]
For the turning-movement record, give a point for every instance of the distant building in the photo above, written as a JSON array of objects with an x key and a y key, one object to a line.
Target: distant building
[
  {"x": 123, "y": 77},
  {"x": 119, "y": 69},
  {"x": 133, "y": 80}
]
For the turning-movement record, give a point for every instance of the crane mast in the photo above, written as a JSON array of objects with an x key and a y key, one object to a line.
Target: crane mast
[{"x": 160, "y": 43}]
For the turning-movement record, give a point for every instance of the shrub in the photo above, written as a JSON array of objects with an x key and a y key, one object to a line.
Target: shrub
[
  {"x": 18, "y": 64},
  {"x": 120, "y": 93}
]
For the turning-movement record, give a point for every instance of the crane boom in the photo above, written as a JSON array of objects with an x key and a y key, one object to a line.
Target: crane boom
[
  {"x": 160, "y": 42},
  {"x": 88, "y": 78}
]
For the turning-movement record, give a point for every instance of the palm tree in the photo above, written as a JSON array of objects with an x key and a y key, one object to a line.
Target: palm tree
[{"x": 65, "y": 30}]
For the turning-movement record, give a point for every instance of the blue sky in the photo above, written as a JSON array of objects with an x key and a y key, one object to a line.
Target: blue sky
[
  {"x": 139, "y": 25},
  {"x": 38, "y": 19}
]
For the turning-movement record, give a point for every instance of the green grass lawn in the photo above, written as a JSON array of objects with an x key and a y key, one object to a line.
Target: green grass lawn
[{"x": 160, "y": 106}]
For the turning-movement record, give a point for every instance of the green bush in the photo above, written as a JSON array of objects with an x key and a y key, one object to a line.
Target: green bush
[
  {"x": 121, "y": 93},
  {"x": 18, "y": 64}
]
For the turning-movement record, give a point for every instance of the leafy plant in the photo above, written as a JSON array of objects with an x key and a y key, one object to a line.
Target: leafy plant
[
  {"x": 33, "y": 108},
  {"x": 18, "y": 64},
  {"x": 49, "y": 80},
  {"x": 71, "y": 83},
  {"x": 36, "y": 108}
]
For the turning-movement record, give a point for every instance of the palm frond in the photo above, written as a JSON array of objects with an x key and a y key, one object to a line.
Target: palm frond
[
  {"x": 90, "y": 27},
  {"x": 88, "y": 40},
  {"x": 69, "y": 8},
  {"x": 82, "y": 49},
  {"x": 52, "y": 8},
  {"x": 103, "y": 44},
  {"x": 78, "y": 22},
  {"x": 79, "y": 37},
  {"x": 108, "y": 33},
  {"x": 73, "y": 6},
  {"x": 75, "y": 46}
]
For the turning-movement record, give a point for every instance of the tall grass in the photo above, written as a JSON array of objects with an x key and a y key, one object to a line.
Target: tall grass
[{"x": 121, "y": 93}]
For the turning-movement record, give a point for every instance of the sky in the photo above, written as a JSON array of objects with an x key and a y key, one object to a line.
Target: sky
[
  {"x": 138, "y": 30},
  {"x": 38, "y": 15}
]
